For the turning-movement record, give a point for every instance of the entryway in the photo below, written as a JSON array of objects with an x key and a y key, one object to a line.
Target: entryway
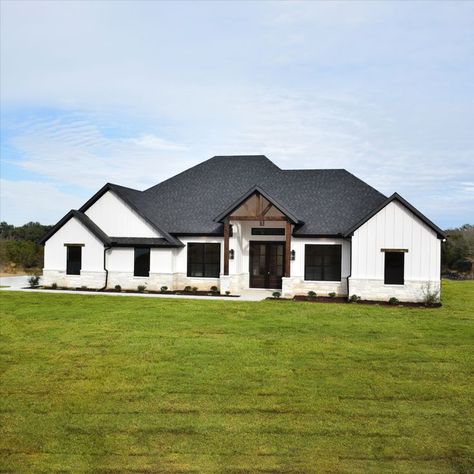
[{"x": 266, "y": 264}]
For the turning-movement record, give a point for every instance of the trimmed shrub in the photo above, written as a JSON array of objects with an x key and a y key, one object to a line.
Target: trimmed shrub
[
  {"x": 187, "y": 289},
  {"x": 354, "y": 299},
  {"x": 214, "y": 289},
  {"x": 195, "y": 288},
  {"x": 312, "y": 294},
  {"x": 393, "y": 300},
  {"x": 54, "y": 286},
  {"x": 332, "y": 294},
  {"x": 33, "y": 281},
  {"x": 118, "y": 288},
  {"x": 141, "y": 288},
  {"x": 164, "y": 289},
  {"x": 227, "y": 292},
  {"x": 276, "y": 294}
]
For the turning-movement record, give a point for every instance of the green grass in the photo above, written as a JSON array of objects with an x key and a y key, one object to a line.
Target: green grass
[{"x": 114, "y": 384}]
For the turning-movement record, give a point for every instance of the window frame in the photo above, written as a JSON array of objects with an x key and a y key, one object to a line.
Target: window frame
[
  {"x": 146, "y": 273},
  {"x": 323, "y": 265},
  {"x": 189, "y": 264},
  {"x": 68, "y": 259},
  {"x": 386, "y": 277}
]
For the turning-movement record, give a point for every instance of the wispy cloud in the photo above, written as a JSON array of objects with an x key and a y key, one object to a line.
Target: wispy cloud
[{"x": 135, "y": 92}]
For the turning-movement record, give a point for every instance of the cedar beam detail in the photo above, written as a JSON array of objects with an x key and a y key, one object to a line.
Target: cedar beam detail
[
  {"x": 287, "y": 248},
  {"x": 226, "y": 246}
]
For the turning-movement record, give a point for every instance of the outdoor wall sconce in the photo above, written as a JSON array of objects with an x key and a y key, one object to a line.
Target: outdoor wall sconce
[
  {"x": 231, "y": 254},
  {"x": 293, "y": 253}
]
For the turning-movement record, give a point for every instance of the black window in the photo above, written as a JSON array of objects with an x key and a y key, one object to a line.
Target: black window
[
  {"x": 74, "y": 260},
  {"x": 204, "y": 260},
  {"x": 142, "y": 262},
  {"x": 322, "y": 262},
  {"x": 394, "y": 268},
  {"x": 268, "y": 231}
]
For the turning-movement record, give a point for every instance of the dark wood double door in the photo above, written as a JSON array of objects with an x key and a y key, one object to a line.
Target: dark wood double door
[{"x": 266, "y": 264}]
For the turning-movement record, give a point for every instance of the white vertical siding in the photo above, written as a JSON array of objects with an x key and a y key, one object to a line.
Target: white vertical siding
[
  {"x": 117, "y": 219},
  {"x": 396, "y": 227}
]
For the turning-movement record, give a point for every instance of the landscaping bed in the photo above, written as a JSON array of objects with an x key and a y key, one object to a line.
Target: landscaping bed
[
  {"x": 344, "y": 300},
  {"x": 136, "y": 292}
]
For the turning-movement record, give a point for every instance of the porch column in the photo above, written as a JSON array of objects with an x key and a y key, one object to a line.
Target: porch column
[
  {"x": 287, "y": 248},
  {"x": 226, "y": 246}
]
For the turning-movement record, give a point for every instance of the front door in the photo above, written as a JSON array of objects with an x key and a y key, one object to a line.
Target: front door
[{"x": 266, "y": 264}]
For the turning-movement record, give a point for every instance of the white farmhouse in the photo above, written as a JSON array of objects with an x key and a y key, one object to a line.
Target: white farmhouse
[{"x": 241, "y": 222}]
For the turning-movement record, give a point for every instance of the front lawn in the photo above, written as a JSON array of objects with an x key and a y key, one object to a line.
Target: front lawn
[{"x": 107, "y": 384}]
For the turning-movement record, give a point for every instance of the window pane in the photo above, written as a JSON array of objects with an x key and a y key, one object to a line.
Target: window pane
[
  {"x": 323, "y": 262},
  {"x": 204, "y": 260},
  {"x": 142, "y": 262},
  {"x": 74, "y": 260},
  {"x": 394, "y": 268}
]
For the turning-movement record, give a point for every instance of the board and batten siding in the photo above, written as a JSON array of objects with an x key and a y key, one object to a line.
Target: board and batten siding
[
  {"x": 398, "y": 228},
  {"x": 117, "y": 219},
  {"x": 394, "y": 227}
]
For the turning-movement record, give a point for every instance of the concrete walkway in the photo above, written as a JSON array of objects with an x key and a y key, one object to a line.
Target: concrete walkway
[{"x": 20, "y": 282}]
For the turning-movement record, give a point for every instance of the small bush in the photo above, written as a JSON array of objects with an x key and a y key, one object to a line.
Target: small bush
[
  {"x": 393, "y": 300},
  {"x": 227, "y": 292},
  {"x": 83, "y": 287},
  {"x": 214, "y": 289},
  {"x": 33, "y": 281},
  {"x": 141, "y": 288},
  {"x": 195, "y": 288},
  {"x": 354, "y": 299},
  {"x": 276, "y": 294},
  {"x": 54, "y": 286},
  {"x": 164, "y": 289},
  {"x": 312, "y": 294},
  {"x": 118, "y": 288},
  {"x": 187, "y": 289},
  {"x": 332, "y": 294},
  {"x": 430, "y": 295}
]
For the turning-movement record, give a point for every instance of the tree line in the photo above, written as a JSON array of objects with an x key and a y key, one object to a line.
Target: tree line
[{"x": 19, "y": 248}]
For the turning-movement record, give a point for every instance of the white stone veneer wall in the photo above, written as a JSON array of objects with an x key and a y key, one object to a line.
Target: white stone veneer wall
[
  {"x": 376, "y": 290},
  {"x": 298, "y": 286},
  {"x": 94, "y": 280}
]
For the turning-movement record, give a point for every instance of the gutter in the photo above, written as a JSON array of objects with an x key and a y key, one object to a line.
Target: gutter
[{"x": 107, "y": 247}]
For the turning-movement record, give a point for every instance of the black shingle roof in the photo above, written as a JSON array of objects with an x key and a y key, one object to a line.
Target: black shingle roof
[
  {"x": 320, "y": 202},
  {"x": 327, "y": 202}
]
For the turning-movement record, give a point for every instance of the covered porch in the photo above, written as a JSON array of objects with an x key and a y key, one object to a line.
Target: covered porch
[{"x": 257, "y": 246}]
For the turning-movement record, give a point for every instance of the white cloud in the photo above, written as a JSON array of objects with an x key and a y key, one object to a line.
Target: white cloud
[
  {"x": 24, "y": 201},
  {"x": 72, "y": 150}
]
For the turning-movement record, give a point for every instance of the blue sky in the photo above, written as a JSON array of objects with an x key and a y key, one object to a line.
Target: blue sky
[{"x": 134, "y": 92}]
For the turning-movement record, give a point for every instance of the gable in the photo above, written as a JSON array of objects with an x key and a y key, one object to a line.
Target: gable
[
  {"x": 252, "y": 206},
  {"x": 117, "y": 219},
  {"x": 402, "y": 204},
  {"x": 399, "y": 226}
]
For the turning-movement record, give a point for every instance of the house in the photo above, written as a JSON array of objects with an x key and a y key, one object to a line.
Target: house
[{"x": 241, "y": 222}]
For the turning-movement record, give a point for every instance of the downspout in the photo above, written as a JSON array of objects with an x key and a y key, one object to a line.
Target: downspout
[
  {"x": 107, "y": 247},
  {"x": 350, "y": 268}
]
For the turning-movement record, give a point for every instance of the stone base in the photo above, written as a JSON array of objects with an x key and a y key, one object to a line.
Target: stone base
[
  {"x": 410, "y": 292},
  {"x": 292, "y": 286},
  {"x": 93, "y": 280},
  {"x": 233, "y": 283}
]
